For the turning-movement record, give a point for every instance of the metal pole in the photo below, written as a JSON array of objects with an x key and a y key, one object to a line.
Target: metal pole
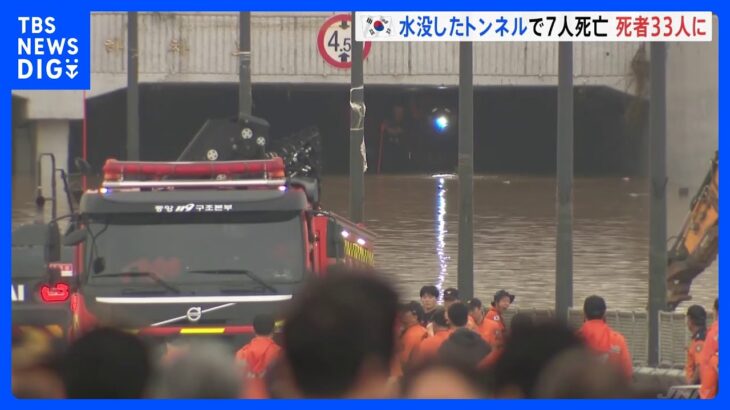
[
  {"x": 465, "y": 280},
  {"x": 40, "y": 199},
  {"x": 658, "y": 196},
  {"x": 357, "y": 131},
  {"x": 84, "y": 144},
  {"x": 245, "y": 102},
  {"x": 132, "y": 88},
  {"x": 564, "y": 242}
]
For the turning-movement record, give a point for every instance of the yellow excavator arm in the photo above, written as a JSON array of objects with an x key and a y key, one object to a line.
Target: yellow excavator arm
[{"x": 696, "y": 245}]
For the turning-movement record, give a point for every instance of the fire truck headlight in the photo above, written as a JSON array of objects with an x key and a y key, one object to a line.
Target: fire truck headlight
[{"x": 261, "y": 141}]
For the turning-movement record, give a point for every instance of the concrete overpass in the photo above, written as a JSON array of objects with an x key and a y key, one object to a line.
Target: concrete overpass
[{"x": 200, "y": 48}]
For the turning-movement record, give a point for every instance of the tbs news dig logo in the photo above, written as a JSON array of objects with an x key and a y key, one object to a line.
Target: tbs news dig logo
[{"x": 43, "y": 53}]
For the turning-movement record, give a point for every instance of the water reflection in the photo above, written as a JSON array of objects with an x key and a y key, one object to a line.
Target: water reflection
[
  {"x": 441, "y": 234},
  {"x": 514, "y": 235}
]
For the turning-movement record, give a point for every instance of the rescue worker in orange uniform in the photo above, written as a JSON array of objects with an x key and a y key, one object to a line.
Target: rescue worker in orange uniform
[
  {"x": 490, "y": 331},
  {"x": 697, "y": 325},
  {"x": 430, "y": 346},
  {"x": 710, "y": 357},
  {"x": 710, "y": 377},
  {"x": 605, "y": 341},
  {"x": 501, "y": 302},
  {"x": 257, "y": 356},
  {"x": 411, "y": 336}
]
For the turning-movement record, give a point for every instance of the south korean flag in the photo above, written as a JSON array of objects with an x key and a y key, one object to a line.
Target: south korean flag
[{"x": 377, "y": 26}]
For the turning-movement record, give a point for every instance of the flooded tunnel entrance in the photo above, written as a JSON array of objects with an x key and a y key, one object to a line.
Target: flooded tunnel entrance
[{"x": 514, "y": 131}]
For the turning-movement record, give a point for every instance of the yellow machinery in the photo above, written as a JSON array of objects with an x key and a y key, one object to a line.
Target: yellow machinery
[{"x": 696, "y": 246}]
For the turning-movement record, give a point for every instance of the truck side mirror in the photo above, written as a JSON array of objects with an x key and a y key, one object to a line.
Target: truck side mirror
[
  {"x": 52, "y": 243},
  {"x": 99, "y": 264},
  {"x": 75, "y": 237}
]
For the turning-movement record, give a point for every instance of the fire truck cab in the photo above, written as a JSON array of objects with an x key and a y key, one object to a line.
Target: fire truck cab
[{"x": 176, "y": 248}]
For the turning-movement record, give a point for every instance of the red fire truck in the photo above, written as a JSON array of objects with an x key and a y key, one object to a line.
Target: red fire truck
[{"x": 176, "y": 248}]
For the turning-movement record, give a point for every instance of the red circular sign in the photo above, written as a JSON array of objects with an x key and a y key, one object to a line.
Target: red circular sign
[{"x": 334, "y": 41}]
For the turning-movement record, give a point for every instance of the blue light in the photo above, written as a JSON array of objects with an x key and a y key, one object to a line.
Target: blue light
[{"x": 441, "y": 123}]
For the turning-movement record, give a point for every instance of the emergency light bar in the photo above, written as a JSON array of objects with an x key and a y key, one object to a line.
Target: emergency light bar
[
  {"x": 194, "y": 184},
  {"x": 115, "y": 170}
]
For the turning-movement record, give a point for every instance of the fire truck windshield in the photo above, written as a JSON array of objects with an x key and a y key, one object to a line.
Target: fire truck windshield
[{"x": 184, "y": 249}]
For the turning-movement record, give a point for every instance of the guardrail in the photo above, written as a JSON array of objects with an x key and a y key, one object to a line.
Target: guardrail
[{"x": 674, "y": 336}]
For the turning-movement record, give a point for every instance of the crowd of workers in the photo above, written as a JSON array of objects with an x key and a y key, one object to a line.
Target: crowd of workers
[{"x": 349, "y": 336}]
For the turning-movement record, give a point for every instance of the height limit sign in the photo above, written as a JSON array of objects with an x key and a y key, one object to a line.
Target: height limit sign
[{"x": 335, "y": 41}]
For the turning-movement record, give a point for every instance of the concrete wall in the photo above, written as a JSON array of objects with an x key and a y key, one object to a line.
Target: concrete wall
[
  {"x": 692, "y": 120},
  {"x": 52, "y": 136},
  {"x": 53, "y": 104},
  {"x": 200, "y": 47},
  {"x": 23, "y": 151}
]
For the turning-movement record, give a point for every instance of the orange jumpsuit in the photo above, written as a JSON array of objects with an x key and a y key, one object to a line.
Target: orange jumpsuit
[
  {"x": 492, "y": 333},
  {"x": 710, "y": 376},
  {"x": 692, "y": 366},
  {"x": 410, "y": 339},
  {"x": 429, "y": 347},
  {"x": 711, "y": 343},
  {"x": 257, "y": 356},
  {"x": 709, "y": 362},
  {"x": 494, "y": 316},
  {"x": 609, "y": 343}
]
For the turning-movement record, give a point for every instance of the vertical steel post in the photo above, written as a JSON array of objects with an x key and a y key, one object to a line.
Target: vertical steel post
[
  {"x": 465, "y": 278},
  {"x": 658, "y": 195},
  {"x": 132, "y": 87},
  {"x": 564, "y": 242},
  {"x": 245, "y": 99},
  {"x": 357, "y": 130}
]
